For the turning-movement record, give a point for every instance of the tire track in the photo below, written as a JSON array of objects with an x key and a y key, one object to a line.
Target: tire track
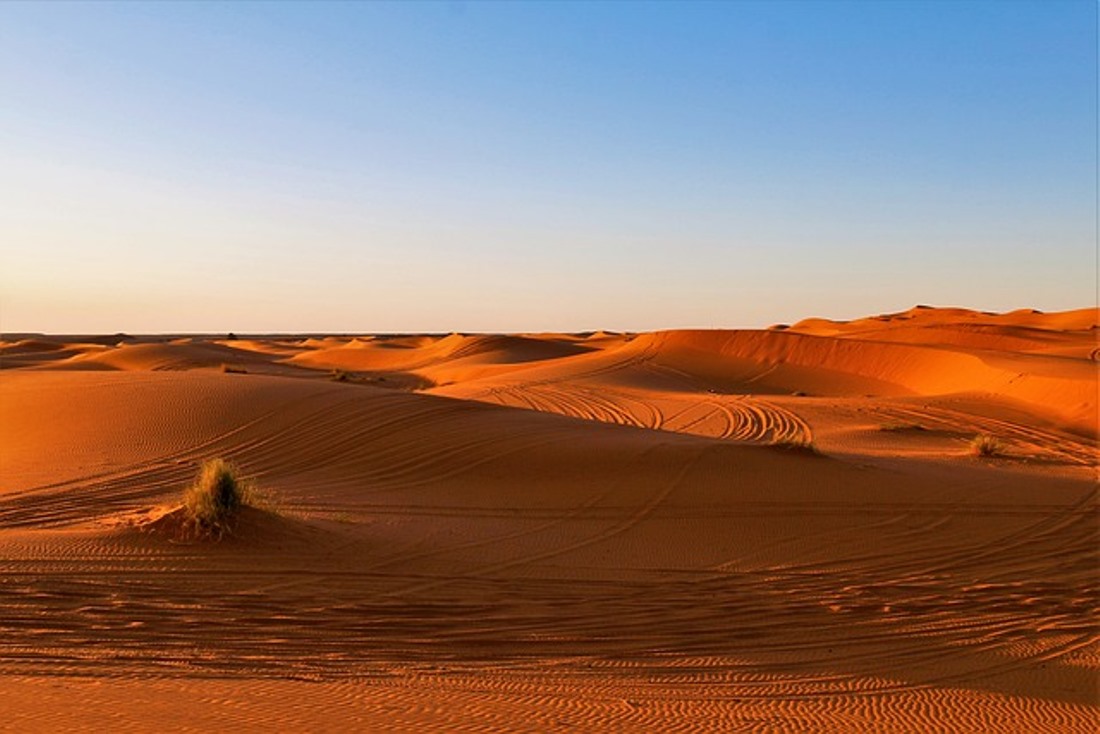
[
  {"x": 1062, "y": 446},
  {"x": 614, "y": 530},
  {"x": 739, "y": 418}
]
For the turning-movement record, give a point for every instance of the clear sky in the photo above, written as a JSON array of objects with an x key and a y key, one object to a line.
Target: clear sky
[{"x": 464, "y": 166}]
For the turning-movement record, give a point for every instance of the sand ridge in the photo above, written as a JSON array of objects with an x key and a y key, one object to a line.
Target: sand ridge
[{"x": 698, "y": 531}]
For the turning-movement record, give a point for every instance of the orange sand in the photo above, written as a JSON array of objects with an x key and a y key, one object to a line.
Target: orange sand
[{"x": 565, "y": 532}]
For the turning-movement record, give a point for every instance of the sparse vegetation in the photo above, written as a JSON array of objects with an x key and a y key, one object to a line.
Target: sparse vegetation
[
  {"x": 985, "y": 445},
  {"x": 215, "y": 497},
  {"x": 801, "y": 444},
  {"x": 899, "y": 427},
  {"x": 342, "y": 376},
  {"x": 234, "y": 369}
]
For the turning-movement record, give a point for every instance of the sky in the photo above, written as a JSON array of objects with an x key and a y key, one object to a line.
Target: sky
[{"x": 465, "y": 166}]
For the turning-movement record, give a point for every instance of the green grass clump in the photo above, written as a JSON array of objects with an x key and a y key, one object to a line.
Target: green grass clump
[
  {"x": 985, "y": 445},
  {"x": 216, "y": 496}
]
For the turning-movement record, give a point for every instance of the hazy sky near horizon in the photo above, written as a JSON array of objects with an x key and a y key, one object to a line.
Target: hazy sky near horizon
[{"x": 471, "y": 166}]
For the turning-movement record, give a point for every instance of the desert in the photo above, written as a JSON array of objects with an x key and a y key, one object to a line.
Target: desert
[
  {"x": 883, "y": 524},
  {"x": 589, "y": 366}
]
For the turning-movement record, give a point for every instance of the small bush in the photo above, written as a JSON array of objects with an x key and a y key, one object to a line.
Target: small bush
[
  {"x": 985, "y": 445},
  {"x": 216, "y": 496},
  {"x": 229, "y": 368},
  {"x": 342, "y": 376},
  {"x": 801, "y": 444},
  {"x": 901, "y": 427}
]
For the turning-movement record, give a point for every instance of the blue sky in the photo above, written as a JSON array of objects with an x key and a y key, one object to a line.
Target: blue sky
[{"x": 560, "y": 166}]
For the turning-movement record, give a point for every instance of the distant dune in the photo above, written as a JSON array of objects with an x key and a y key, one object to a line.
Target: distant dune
[{"x": 764, "y": 530}]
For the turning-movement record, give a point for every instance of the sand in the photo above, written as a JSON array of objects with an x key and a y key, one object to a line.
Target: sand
[{"x": 782, "y": 529}]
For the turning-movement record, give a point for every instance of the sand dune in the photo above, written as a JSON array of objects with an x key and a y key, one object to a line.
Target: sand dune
[
  {"x": 1057, "y": 390},
  {"x": 1083, "y": 319},
  {"x": 560, "y": 532},
  {"x": 445, "y": 360}
]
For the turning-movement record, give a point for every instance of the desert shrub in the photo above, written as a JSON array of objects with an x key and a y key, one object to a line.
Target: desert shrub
[
  {"x": 342, "y": 376},
  {"x": 899, "y": 427},
  {"x": 229, "y": 368},
  {"x": 801, "y": 443},
  {"x": 215, "y": 497},
  {"x": 985, "y": 445}
]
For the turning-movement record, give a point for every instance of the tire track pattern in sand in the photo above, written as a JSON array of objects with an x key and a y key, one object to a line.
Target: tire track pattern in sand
[
  {"x": 735, "y": 418},
  {"x": 739, "y": 630},
  {"x": 850, "y": 624},
  {"x": 1022, "y": 439},
  {"x": 380, "y": 438}
]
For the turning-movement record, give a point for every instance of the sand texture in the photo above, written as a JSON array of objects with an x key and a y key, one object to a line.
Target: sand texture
[{"x": 771, "y": 530}]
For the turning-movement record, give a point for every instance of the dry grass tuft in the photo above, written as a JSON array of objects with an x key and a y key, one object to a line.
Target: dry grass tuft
[
  {"x": 214, "y": 499},
  {"x": 901, "y": 427},
  {"x": 985, "y": 445},
  {"x": 800, "y": 444}
]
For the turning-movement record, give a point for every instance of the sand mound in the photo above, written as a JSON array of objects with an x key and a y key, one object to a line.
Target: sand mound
[
  {"x": 179, "y": 355},
  {"x": 255, "y": 528}
]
